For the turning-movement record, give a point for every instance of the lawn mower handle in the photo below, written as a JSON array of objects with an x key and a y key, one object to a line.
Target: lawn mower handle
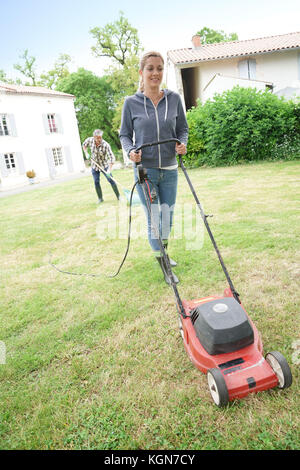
[
  {"x": 157, "y": 143},
  {"x": 142, "y": 172}
]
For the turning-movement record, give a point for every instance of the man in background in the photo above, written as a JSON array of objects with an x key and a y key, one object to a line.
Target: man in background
[{"x": 102, "y": 154}]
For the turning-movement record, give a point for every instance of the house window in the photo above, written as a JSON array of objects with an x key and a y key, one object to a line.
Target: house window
[
  {"x": 10, "y": 162},
  {"x": 247, "y": 69},
  {"x": 52, "y": 123},
  {"x": 3, "y": 125},
  {"x": 57, "y": 156}
]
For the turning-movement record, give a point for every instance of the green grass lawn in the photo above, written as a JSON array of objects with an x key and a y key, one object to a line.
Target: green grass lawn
[{"x": 98, "y": 362}]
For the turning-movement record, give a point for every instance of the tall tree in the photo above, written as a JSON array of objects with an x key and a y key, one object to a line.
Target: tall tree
[
  {"x": 94, "y": 103},
  {"x": 46, "y": 79},
  {"x": 118, "y": 40},
  {"x": 210, "y": 36},
  {"x": 4, "y": 78},
  {"x": 59, "y": 71},
  {"x": 28, "y": 68},
  {"x": 124, "y": 82}
]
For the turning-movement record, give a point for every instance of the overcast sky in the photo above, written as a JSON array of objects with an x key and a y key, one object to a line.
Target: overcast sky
[{"x": 47, "y": 28}]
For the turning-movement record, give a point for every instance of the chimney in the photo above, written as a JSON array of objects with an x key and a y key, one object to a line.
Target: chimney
[{"x": 196, "y": 40}]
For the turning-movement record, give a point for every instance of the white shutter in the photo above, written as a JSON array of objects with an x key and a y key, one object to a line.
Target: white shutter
[
  {"x": 69, "y": 160},
  {"x": 58, "y": 122},
  {"x": 50, "y": 161},
  {"x": 46, "y": 123},
  {"x": 3, "y": 168},
  {"x": 20, "y": 163},
  {"x": 243, "y": 69},
  {"x": 12, "y": 125},
  {"x": 252, "y": 69}
]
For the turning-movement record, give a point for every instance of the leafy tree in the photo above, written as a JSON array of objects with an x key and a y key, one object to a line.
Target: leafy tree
[
  {"x": 124, "y": 82},
  {"x": 210, "y": 36},
  {"x": 59, "y": 71},
  {"x": 46, "y": 79},
  {"x": 28, "y": 69},
  {"x": 94, "y": 103},
  {"x": 118, "y": 40},
  {"x": 4, "y": 78}
]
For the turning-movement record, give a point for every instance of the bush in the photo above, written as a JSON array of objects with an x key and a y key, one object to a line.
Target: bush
[{"x": 242, "y": 125}]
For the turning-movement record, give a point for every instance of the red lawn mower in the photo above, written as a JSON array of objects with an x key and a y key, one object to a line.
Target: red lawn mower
[{"x": 218, "y": 335}]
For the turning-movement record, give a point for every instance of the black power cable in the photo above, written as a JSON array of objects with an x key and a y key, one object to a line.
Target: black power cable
[{"x": 99, "y": 275}]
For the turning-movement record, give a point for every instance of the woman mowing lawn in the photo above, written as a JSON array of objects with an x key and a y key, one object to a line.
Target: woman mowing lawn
[{"x": 153, "y": 114}]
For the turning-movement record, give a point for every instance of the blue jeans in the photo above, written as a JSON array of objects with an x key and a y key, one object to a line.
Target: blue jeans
[
  {"x": 165, "y": 184},
  {"x": 96, "y": 176}
]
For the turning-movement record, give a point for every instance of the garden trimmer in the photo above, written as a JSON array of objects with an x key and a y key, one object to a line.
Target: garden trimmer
[
  {"x": 218, "y": 335},
  {"x": 135, "y": 197}
]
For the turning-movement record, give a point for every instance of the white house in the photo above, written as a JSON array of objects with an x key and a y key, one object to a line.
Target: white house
[
  {"x": 203, "y": 70},
  {"x": 38, "y": 131}
]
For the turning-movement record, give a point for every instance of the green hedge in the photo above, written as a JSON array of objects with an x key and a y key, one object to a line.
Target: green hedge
[{"x": 243, "y": 125}]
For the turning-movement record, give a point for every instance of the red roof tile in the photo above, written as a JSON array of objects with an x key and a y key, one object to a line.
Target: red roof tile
[
  {"x": 226, "y": 50},
  {"x": 36, "y": 90}
]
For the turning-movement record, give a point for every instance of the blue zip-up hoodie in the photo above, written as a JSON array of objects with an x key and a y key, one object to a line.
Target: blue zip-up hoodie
[{"x": 144, "y": 123}]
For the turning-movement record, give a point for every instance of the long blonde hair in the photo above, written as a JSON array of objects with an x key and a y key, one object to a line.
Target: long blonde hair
[{"x": 143, "y": 63}]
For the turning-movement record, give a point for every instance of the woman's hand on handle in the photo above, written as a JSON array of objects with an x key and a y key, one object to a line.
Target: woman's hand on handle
[
  {"x": 180, "y": 149},
  {"x": 135, "y": 156}
]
